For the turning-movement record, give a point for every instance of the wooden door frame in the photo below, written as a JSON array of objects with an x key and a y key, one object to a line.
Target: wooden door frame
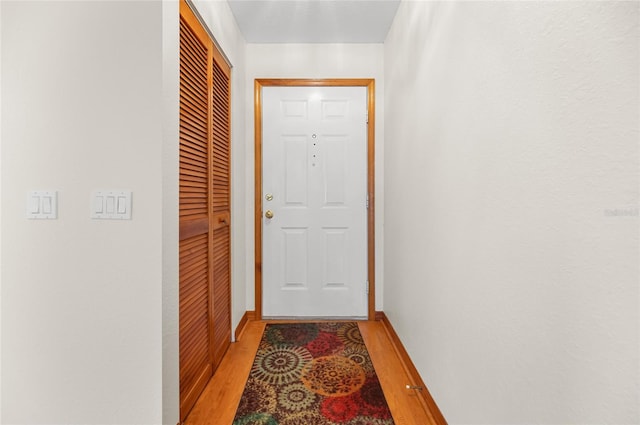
[{"x": 369, "y": 83}]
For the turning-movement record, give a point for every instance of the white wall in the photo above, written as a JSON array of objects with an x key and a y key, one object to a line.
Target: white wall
[
  {"x": 82, "y": 109},
  {"x": 170, "y": 211},
  {"x": 0, "y": 214},
  {"x": 315, "y": 61},
  {"x": 511, "y": 141}
]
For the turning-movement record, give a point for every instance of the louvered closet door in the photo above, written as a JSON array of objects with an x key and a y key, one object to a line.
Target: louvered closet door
[
  {"x": 221, "y": 180},
  {"x": 205, "y": 325}
]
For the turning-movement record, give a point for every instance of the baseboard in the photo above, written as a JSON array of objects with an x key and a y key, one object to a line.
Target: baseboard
[
  {"x": 428, "y": 403},
  {"x": 246, "y": 318}
]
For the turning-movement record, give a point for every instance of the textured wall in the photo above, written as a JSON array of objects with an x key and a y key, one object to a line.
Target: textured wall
[
  {"x": 81, "y": 298},
  {"x": 170, "y": 213},
  {"x": 511, "y": 206}
]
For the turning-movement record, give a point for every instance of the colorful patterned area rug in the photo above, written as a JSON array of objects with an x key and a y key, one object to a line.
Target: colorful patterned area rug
[{"x": 312, "y": 374}]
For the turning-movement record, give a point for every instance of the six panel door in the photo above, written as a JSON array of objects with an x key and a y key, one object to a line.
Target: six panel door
[{"x": 314, "y": 181}]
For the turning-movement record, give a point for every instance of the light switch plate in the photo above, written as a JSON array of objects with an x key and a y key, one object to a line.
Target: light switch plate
[
  {"x": 111, "y": 204},
  {"x": 42, "y": 205}
]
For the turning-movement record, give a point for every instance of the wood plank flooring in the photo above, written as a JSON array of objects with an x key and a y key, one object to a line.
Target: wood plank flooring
[{"x": 218, "y": 403}]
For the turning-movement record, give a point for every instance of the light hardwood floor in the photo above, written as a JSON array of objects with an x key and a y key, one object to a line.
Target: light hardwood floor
[{"x": 218, "y": 403}]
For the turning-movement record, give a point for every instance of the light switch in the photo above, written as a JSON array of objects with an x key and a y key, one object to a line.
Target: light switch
[
  {"x": 46, "y": 205},
  {"x": 111, "y": 204},
  {"x": 121, "y": 205},
  {"x": 34, "y": 204},
  {"x": 42, "y": 205},
  {"x": 98, "y": 204}
]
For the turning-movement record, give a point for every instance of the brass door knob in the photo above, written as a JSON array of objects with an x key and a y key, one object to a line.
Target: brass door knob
[{"x": 268, "y": 214}]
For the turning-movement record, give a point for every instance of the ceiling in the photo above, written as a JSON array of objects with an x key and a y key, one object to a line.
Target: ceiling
[{"x": 314, "y": 21}]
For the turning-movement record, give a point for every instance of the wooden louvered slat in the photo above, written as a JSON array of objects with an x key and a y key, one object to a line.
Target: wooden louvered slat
[
  {"x": 193, "y": 49},
  {"x": 222, "y": 158},
  {"x": 190, "y": 203},
  {"x": 188, "y": 139},
  {"x": 190, "y": 98},
  {"x": 220, "y": 135},
  {"x": 191, "y": 184},
  {"x": 192, "y": 54},
  {"x": 220, "y": 168},
  {"x": 189, "y": 206},
  {"x": 217, "y": 124},
  {"x": 197, "y": 134},
  {"x": 190, "y": 107},
  {"x": 194, "y": 307},
  {"x": 222, "y": 307},
  {"x": 190, "y": 165},
  {"x": 193, "y": 67},
  {"x": 194, "y": 125},
  {"x": 191, "y": 130},
  {"x": 191, "y": 36},
  {"x": 191, "y": 271},
  {"x": 191, "y": 211},
  {"x": 193, "y": 181},
  {"x": 196, "y": 142},
  {"x": 190, "y": 82},
  {"x": 192, "y": 161},
  {"x": 191, "y": 198},
  {"x": 221, "y": 172},
  {"x": 221, "y": 140},
  {"x": 192, "y": 122},
  {"x": 189, "y": 154},
  {"x": 190, "y": 188},
  {"x": 220, "y": 147},
  {"x": 194, "y": 173},
  {"x": 191, "y": 319}
]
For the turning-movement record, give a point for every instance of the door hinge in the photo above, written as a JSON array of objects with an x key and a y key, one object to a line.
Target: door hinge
[
  {"x": 367, "y": 287},
  {"x": 367, "y": 201}
]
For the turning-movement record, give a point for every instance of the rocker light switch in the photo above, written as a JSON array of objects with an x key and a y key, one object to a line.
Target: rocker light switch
[
  {"x": 111, "y": 204},
  {"x": 42, "y": 205}
]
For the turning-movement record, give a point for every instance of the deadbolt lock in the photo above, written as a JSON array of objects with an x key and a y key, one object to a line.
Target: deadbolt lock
[{"x": 269, "y": 197}]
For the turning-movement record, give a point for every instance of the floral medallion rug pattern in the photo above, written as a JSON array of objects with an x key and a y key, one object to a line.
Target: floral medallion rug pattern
[{"x": 312, "y": 374}]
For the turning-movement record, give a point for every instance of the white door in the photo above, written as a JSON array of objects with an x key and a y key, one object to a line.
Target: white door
[{"x": 314, "y": 183}]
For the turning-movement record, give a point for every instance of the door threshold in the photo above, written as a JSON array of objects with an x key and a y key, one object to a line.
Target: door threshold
[{"x": 315, "y": 318}]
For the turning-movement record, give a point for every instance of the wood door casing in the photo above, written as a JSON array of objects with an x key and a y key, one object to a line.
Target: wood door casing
[
  {"x": 204, "y": 299},
  {"x": 366, "y": 82}
]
